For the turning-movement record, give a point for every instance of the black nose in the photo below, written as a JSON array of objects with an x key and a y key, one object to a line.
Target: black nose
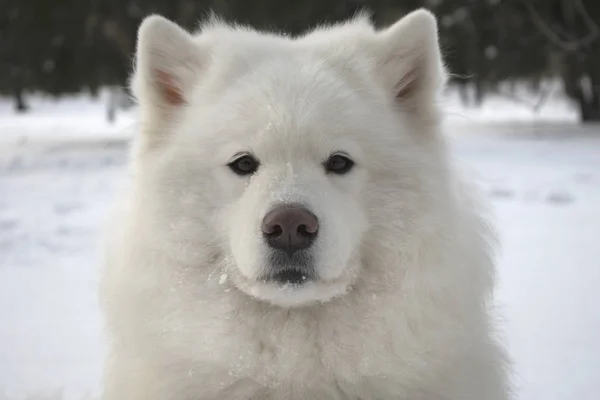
[{"x": 290, "y": 228}]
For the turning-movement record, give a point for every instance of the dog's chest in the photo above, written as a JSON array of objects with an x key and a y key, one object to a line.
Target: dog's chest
[
  {"x": 287, "y": 352},
  {"x": 300, "y": 351}
]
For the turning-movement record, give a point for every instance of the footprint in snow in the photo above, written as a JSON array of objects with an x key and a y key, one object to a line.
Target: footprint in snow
[
  {"x": 8, "y": 224},
  {"x": 16, "y": 164},
  {"x": 560, "y": 198},
  {"x": 66, "y": 208},
  {"x": 502, "y": 193}
]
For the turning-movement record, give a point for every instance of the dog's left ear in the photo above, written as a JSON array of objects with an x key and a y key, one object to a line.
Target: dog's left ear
[{"x": 409, "y": 59}]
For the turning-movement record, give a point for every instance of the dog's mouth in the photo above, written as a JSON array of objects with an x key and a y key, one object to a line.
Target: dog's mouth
[
  {"x": 292, "y": 281},
  {"x": 284, "y": 269},
  {"x": 290, "y": 276},
  {"x": 292, "y": 286}
]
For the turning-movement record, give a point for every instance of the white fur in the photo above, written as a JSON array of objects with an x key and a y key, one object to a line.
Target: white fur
[{"x": 401, "y": 307}]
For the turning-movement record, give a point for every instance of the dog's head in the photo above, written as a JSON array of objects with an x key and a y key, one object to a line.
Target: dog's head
[{"x": 270, "y": 155}]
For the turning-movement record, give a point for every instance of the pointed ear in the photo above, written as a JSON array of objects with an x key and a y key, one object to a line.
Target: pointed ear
[
  {"x": 167, "y": 62},
  {"x": 409, "y": 59}
]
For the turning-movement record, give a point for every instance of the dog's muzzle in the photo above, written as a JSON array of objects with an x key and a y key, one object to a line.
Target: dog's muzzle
[{"x": 290, "y": 230}]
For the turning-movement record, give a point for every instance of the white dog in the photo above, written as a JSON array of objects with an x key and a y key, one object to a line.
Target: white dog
[{"x": 293, "y": 228}]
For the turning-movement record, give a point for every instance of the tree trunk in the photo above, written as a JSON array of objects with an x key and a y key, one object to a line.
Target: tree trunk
[
  {"x": 20, "y": 105},
  {"x": 480, "y": 92},
  {"x": 590, "y": 108},
  {"x": 463, "y": 92},
  {"x": 585, "y": 92}
]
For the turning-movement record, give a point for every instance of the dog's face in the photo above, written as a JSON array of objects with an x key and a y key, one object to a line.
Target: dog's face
[
  {"x": 290, "y": 176},
  {"x": 269, "y": 150}
]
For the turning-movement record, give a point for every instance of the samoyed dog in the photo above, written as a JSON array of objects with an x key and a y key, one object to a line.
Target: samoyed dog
[{"x": 294, "y": 228}]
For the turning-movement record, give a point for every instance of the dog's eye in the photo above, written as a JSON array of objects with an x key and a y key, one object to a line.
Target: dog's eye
[
  {"x": 338, "y": 164},
  {"x": 245, "y": 165}
]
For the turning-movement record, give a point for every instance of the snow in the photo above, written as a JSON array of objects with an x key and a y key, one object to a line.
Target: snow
[
  {"x": 546, "y": 190},
  {"x": 73, "y": 118},
  {"x": 61, "y": 165}
]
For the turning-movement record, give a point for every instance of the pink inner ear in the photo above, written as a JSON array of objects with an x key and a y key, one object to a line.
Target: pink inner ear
[
  {"x": 407, "y": 86},
  {"x": 169, "y": 89}
]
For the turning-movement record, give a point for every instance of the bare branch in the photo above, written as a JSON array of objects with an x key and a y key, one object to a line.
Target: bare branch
[
  {"x": 571, "y": 45},
  {"x": 587, "y": 18}
]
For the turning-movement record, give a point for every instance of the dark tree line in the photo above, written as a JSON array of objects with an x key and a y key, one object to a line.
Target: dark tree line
[{"x": 65, "y": 46}]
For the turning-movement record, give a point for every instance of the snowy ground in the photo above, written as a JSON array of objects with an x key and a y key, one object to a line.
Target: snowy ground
[{"x": 61, "y": 165}]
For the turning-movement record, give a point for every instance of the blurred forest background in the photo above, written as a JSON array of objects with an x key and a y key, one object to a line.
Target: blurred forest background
[{"x": 67, "y": 46}]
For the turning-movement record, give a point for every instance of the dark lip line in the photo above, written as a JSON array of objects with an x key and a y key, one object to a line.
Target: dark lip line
[{"x": 308, "y": 276}]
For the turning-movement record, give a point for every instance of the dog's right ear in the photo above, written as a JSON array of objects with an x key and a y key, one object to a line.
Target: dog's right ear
[
  {"x": 167, "y": 62},
  {"x": 409, "y": 58}
]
